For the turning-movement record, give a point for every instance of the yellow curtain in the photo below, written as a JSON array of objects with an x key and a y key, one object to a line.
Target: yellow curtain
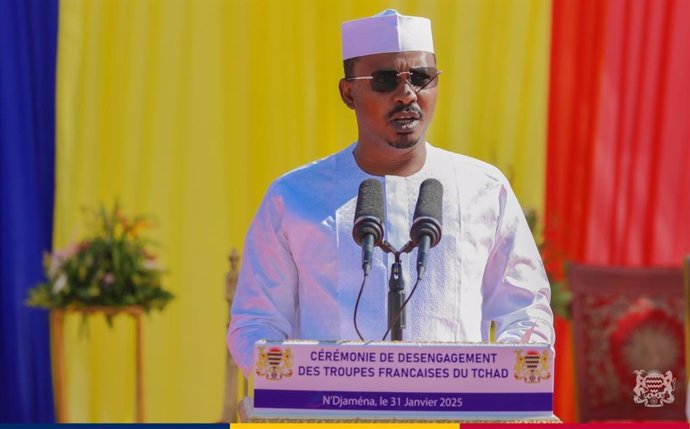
[{"x": 187, "y": 109}]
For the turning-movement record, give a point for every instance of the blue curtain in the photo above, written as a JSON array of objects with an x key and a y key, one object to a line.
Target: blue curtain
[{"x": 28, "y": 46}]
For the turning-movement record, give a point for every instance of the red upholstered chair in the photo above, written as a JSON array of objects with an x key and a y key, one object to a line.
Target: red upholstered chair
[{"x": 627, "y": 320}]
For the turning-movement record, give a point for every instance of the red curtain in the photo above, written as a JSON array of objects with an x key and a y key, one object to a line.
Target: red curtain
[{"x": 618, "y": 166}]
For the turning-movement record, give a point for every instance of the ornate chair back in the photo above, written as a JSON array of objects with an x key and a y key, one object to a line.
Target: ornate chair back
[
  {"x": 686, "y": 276},
  {"x": 629, "y": 342},
  {"x": 235, "y": 385}
]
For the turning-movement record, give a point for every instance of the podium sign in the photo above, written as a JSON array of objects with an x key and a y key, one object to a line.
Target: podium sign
[{"x": 415, "y": 380}]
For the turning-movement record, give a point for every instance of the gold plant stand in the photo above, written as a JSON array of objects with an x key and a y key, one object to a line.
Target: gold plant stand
[{"x": 57, "y": 317}]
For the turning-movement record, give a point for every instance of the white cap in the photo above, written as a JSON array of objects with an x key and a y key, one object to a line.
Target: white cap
[{"x": 384, "y": 32}]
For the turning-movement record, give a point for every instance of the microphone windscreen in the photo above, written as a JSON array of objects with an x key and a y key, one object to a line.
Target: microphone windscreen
[
  {"x": 430, "y": 200},
  {"x": 369, "y": 211},
  {"x": 370, "y": 199}
]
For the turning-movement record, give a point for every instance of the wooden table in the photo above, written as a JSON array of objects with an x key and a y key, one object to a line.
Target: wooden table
[{"x": 58, "y": 352}]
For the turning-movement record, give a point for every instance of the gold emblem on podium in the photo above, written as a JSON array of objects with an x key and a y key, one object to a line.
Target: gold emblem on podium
[
  {"x": 532, "y": 366},
  {"x": 274, "y": 363}
]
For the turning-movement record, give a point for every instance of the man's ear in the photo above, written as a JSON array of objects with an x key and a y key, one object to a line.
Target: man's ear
[{"x": 346, "y": 93}]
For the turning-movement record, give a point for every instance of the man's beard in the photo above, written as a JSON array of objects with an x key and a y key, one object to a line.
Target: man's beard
[{"x": 403, "y": 143}]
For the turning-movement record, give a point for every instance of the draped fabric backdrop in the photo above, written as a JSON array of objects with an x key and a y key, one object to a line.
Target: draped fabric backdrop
[
  {"x": 618, "y": 176},
  {"x": 186, "y": 110},
  {"x": 619, "y": 132},
  {"x": 28, "y": 39}
]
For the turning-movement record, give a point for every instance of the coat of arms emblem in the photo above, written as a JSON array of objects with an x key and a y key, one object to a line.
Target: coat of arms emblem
[
  {"x": 654, "y": 389},
  {"x": 532, "y": 366},
  {"x": 274, "y": 363}
]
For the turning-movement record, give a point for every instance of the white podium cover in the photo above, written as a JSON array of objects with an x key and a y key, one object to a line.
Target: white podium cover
[{"x": 403, "y": 380}]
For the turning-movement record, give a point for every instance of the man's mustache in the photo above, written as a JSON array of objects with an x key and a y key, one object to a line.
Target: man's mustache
[{"x": 405, "y": 108}]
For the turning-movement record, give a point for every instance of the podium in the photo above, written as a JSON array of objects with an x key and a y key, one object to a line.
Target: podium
[{"x": 310, "y": 381}]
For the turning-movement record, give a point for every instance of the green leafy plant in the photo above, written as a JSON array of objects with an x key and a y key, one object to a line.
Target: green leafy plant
[
  {"x": 561, "y": 297},
  {"x": 113, "y": 267}
]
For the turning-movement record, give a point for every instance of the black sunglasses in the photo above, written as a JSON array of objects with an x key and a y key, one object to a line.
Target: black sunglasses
[{"x": 388, "y": 80}]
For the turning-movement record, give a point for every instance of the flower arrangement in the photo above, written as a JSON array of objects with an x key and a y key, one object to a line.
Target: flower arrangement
[{"x": 111, "y": 268}]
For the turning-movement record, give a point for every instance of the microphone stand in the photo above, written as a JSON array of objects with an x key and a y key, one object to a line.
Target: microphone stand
[
  {"x": 396, "y": 291},
  {"x": 396, "y": 298}
]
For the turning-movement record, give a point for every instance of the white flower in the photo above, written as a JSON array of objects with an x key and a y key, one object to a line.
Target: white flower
[
  {"x": 151, "y": 264},
  {"x": 60, "y": 283},
  {"x": 55, "y": 265}
]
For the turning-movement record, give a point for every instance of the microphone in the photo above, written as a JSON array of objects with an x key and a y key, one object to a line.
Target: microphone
[
  {"x": 368, "y": 227},
  {"x": 425, "y": 232}
]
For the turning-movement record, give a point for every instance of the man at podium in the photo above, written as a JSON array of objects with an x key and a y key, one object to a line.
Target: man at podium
[{"x": 301, "y": 275}]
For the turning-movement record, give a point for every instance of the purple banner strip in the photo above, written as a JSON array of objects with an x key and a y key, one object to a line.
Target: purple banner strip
[{"x": 402, "y": 401}]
